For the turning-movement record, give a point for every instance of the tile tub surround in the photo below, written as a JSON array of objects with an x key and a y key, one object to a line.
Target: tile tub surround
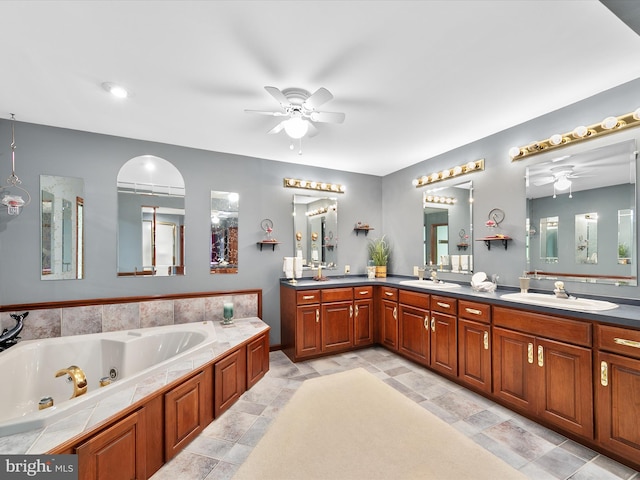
[
  {"x": 108, "y": 315},
  {"x": 44, "y": 439}
]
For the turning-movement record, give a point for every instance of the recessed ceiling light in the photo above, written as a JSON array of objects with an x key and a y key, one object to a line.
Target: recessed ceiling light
[{"x": 115, "y": 90}]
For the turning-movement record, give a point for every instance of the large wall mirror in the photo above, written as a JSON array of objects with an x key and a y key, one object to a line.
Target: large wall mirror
[
  {"x": 61, "y": 227},
  {"x": 224, "y": 232},
  {"x": 448, "y": 227},
  {"x": 150, "y": 218},
  {"x": 315, "y": 227},
  {"x": 580, "y": 209}
]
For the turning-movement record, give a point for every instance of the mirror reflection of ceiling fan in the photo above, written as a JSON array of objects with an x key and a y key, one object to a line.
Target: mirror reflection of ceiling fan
[
  {"x": 301, "y": 111},
  {"x": 561, "y": 177}
]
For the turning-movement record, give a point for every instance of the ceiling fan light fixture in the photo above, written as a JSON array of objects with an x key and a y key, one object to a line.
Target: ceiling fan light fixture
[
  {"x": 296, "y": 127},
  {"x": 563, "y": 183}
]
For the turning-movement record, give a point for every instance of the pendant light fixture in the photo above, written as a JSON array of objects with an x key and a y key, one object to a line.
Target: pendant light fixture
[{"x": 11, "y": 197}]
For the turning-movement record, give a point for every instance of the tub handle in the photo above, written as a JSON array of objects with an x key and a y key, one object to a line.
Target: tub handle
[{"x": 79, "y": 379}]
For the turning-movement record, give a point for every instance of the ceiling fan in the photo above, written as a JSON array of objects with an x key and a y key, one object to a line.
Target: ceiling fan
[
  {"x": 560, "y": 174},
  {"x": 301, "y": 110}
]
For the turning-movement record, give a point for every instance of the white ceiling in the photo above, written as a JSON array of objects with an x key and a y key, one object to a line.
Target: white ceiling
[{"x": 415, "y": 78}]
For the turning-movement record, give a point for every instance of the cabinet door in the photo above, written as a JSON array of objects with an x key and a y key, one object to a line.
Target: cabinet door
[
  {"x": 308, "y": 330},
  {"x": 474, "y": 354},
  {"x": 413, "y": 333},
  {"x": 618, "y": 412},
  {"x": 118, "y": 453},
  {"x": 184, "y": 414},
  {"x": 336, "y": 328},
  {"x": 257, "y": 360},
  {"x": 389, "y": 327},
  {"x": 514, "y": 373},
  {"x": 363, "y": 322},
  {"x": 567, "y": 388},
  {"x": 230, "y": 380},
  {"x": 444, "y": 343}
]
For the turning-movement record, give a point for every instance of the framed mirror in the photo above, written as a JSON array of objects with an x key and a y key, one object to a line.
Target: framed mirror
[
  {"x": 586, "y": 200},
  {"x": 61, "y": 228},
  {"x": 224, "y": 232},
  {"x": 448, "y": 227},
  {"x": 315, "y": 227},
  {"x": 151, "y": 215}
]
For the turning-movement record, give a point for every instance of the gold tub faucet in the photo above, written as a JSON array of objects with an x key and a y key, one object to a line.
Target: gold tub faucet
[{"x": 79, "y": 379}]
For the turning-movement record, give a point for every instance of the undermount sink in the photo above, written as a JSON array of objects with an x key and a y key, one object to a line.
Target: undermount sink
[
  {"x": 429, "y": 284},
  {"x": 549, "y": 300}
]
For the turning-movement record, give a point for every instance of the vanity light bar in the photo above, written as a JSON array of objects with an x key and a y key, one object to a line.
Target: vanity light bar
[
  {"x": 439, "y": 199},
  {"x": 473, "y": 166},
  {"x": 309, "y": 185},
  {"x": 578, "y": 134},
  {"x": 321, "y": 211}
]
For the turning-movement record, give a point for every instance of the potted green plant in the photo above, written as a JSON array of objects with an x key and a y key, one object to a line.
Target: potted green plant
[
  {"x": 379, "y": 251},
  {"x": 623, "y": 253}
]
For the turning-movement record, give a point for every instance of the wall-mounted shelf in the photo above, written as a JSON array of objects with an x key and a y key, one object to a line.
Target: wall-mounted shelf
[
  {"x": 362, "y": 229},
  {"x": 273, "y": 244},
  {"x": 487, "y": 240},
  {"x": 462, "y": 246}
]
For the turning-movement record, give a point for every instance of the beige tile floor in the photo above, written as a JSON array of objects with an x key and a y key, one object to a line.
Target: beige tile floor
[{"x": 537, "y": 452}]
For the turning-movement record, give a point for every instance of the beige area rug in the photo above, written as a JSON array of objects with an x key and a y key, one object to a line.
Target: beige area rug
[{"x": 352, "y": 425}]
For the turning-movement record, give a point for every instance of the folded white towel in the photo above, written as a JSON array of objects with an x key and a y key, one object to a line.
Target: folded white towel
[
  {"x": 297, "y": 266},
  {"x": 288, "y": 267}
]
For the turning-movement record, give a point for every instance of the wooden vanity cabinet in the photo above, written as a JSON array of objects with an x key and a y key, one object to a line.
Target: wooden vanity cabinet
[
  {"x": 363, "y": 333},
  {"x": 617, "y": 390},
  {"x": 117, "y": 453},
  {"x": 257, "y": 360},
  {"x": 413, "y": 326},
  {"x": 444, "y": 335},
  {"x": 388, "y": 320},
  {"x": 474, "y": 344},
  {"x": 551, "y": 379},
  {"x": 336, "y": 319}
]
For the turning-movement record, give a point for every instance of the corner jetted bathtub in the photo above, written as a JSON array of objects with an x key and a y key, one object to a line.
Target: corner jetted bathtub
[{"x": 28, "y": 369}]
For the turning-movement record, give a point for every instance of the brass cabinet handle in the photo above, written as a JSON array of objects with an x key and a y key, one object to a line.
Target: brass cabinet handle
[
  {"x": 426, "y": 322},
  {"x": 627, "y": 343},
  {"x": 473, "y": 310},
  {"x": 433, "y": 324},
  {"x": 540, "y": 355},
  {"x": 356, "y": 310},
  {"x": 317, "y": 315},
  {"x": 604, "y": 374},
  {"x": 444, "y": 305},
  {"x": 308, "y": 297},
  {"x": 395, "y": 312},
  {"x": 486, "y": 340},
  {"x": 364, "y": 292},
  {"x": 389, "y": 294},
  {"x": 350, "y": 311},
  {"x": 530, "y": 353}
]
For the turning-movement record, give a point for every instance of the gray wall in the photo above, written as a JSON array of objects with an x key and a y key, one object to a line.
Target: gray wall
[{"x": 390, "y": 204}]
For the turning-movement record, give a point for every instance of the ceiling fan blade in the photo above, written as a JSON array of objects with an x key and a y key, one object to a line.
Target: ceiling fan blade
[
  {"x": 328, "y": 117},
  {"x": 278, "y": 95},
  {"x": 263, "y": 112},
  {"x": 278, "y": 128},
  {"x": 313, "y": 131},
  {"x": 546, "y": 181},
  {"x": 320, "y": 97}
]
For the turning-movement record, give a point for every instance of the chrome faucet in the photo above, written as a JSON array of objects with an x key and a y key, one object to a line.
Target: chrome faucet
[
  {"x": 8, "y": 337},
  {"x": 78, "y": 377}
]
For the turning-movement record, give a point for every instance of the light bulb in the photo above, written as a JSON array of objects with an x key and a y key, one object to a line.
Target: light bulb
[
  {"x": 563, "y": 183},
  {"x": 115, "y": 90},
  {"x": 514, "y": 152},
  {"x": 636, "y": 114},
  {"x": 580, "y": 131},
  {"x": 555, "y": 139},
  {"x": 609, "y": 123}
]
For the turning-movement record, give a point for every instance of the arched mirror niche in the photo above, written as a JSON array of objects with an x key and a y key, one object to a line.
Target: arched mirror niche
[
  {"x": 61, "y": 227},
  {"x": 581, "y": 215},
  {"x": 151, "y": 215},
  {"x": 315, "y": 227},
  {"x": 224, "y": 232},
  {"x": 448, "y": 228}
]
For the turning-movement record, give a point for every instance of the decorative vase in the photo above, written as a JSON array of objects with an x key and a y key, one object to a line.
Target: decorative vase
[{"x": 381, "y": 271}]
